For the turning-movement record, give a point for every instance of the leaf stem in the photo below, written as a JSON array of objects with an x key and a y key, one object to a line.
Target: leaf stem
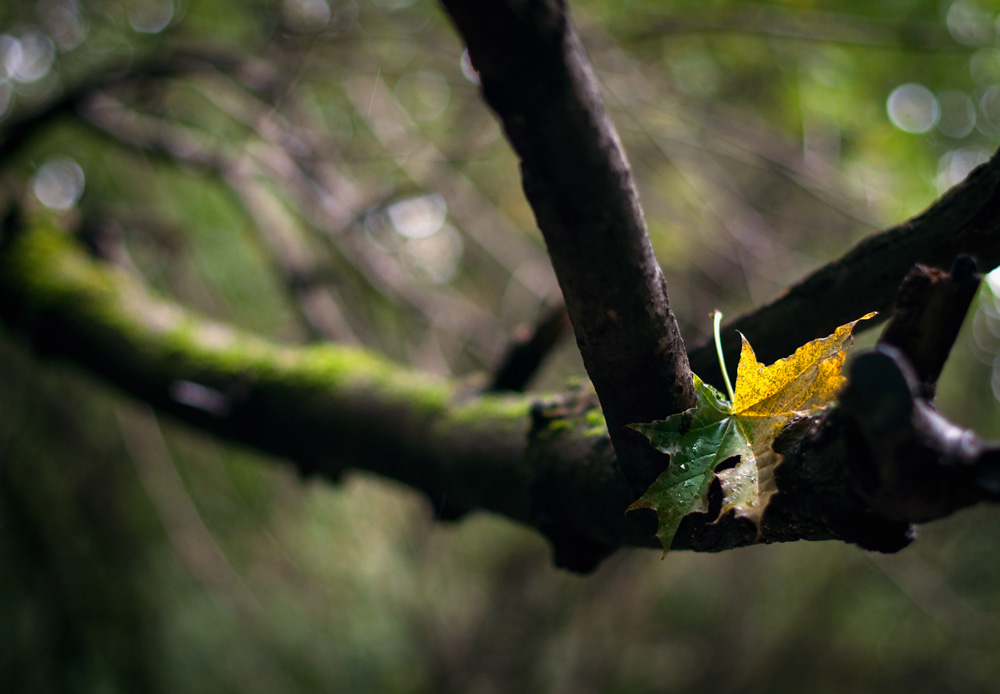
[{"x": 717, "y": 315}]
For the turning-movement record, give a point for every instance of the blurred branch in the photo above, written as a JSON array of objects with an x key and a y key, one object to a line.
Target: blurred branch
[
  {"x": 299, "y": 161},
  {"x": 540, "y": 461},
  {"x": 801, "y": 25},
  {"x": 965, "y": 221},
  {"x": 535, "y": 75},
  {"x": 529, "y": 348},
  {"x": 423, "y": 162},
  {"x": 192, "y": 541},
  {"x": 325, "y": 407},
  {"x": 320, "y": 311},
  {"x": 18, "y": 130}
]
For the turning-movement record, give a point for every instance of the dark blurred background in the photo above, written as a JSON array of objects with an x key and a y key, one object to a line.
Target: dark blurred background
[{"x": 325, "y": 170}]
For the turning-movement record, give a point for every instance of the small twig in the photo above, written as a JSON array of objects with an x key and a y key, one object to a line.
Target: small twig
[
  {"x": 527, "y": 351},
  {"x": 320, "y": 313},
  {"x": 374, "y": 92}
]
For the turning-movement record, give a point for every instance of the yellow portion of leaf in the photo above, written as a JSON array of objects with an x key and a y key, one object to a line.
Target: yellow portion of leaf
[
  {"x": 809, "y": 378},
  {"x": 767, "y": 398}
]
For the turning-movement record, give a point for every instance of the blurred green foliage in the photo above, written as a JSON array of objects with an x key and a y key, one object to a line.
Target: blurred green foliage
[{"x": 349, "y": 151}]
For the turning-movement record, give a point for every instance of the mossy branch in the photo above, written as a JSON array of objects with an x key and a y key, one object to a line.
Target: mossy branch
[
  {"x": 544, "y": 461},
  {"x": 325, "y": 407}
]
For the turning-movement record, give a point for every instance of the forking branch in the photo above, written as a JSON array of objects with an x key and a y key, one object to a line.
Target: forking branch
[{"x": 545, "y": 460}]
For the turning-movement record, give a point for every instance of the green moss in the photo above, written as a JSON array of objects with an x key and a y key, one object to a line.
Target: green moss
[
  {"x": 596, "y": 424},
  {"x": 505, "y": 412},
  {"x": 39, "y": 258},
  {"x": 50, "y": 273}
]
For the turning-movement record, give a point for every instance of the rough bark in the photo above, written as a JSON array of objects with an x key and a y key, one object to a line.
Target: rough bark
[{"x": 536, "y": 76}]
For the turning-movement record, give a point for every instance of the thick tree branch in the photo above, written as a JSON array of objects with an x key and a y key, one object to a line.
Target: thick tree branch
[
  {"x": 546, "y": 462},
  {"x": 325, "y": 407},
  {"x": 536, "y": 77},
  {"x": 965, "y": 221}
]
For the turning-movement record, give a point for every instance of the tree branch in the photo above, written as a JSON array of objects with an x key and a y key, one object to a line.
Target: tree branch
[
  {"x": 544, "y": 461},
  {"x": 325, "y": 407},
  {"x": 965, "y": 221},
  {"x": 548, "y": 461},
  {"x": 536, "y": 77}
]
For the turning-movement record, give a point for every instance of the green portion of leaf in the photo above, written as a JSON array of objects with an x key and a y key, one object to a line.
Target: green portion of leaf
[{"x": 697, "y": 441}]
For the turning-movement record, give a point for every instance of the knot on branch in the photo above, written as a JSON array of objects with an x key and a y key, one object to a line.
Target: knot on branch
[{"x": 918, "y": 467}]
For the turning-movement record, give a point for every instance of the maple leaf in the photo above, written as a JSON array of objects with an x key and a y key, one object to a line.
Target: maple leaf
[{"x": 765, "y": 399}]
